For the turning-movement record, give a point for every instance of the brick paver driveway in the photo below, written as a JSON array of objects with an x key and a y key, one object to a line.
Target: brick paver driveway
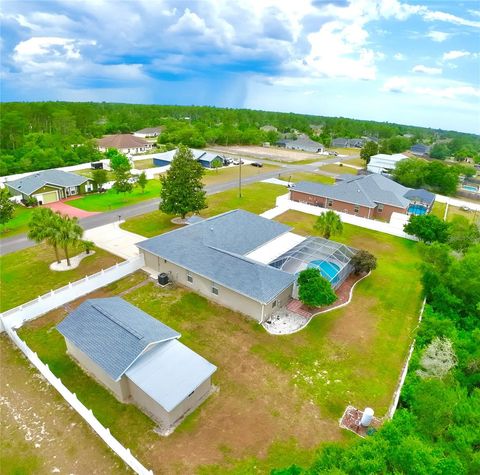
[{"x": 64, "y": 208}]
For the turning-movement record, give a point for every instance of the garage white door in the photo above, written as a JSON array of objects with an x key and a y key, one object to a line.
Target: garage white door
[{"x": 48, "y": 197}]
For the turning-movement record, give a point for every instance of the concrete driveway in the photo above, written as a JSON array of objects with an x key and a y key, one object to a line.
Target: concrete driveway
[
  {"x": 66, "y": 209},
  {"x": 114, "y": 239}
]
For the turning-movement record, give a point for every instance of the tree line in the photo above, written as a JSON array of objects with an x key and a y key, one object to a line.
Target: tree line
[{"x": 41, "y": 135}]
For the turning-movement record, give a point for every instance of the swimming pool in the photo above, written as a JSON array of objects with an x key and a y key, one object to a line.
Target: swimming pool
[
  {"x": 417, "y": 210},
  {"x": 470, "y": 188},
  {"x": 328, "y": 269}
]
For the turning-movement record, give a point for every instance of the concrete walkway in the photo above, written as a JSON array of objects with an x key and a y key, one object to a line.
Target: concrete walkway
[{"x": 114, "y": 239}]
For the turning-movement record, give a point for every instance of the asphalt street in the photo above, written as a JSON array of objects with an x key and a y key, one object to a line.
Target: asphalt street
[{"x": 16, "y": 243}]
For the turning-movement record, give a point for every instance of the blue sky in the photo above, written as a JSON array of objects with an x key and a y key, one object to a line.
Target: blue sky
[{"x": 408, "y": 62}]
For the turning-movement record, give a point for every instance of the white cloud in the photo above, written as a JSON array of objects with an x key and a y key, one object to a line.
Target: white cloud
[
  {"x": 438, "y": 36},
  {"x": 439, "y": 88},
  {"x": 396, "y": 84},
  {"x": 420, "y": 68},
  {"x": 399, "y": 57},
  {"x": 449, "y": 18},
  {"x": 454, "y": 54}
]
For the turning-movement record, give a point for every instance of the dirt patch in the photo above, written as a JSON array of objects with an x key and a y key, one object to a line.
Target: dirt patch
[
  {"x": 49, "y": 431},
  {"x": 271, "y": 153}
]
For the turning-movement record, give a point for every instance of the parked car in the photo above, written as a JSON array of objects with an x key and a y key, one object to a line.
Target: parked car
[
  {"x": 257, "y": 164},
  {"x": 227, "y": 161},
  {"x": 238, "y": 162}
]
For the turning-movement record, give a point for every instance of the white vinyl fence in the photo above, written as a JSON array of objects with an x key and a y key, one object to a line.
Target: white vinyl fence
[
  {"x": 87, "y": 414},
  {"x": 394, "y": 227},
  {"x": 15, "y": 317},
  {"x": 457, "y": 202}
]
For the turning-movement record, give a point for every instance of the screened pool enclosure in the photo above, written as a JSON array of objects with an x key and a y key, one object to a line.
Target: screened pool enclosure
[{"x": 331, "y": 258}]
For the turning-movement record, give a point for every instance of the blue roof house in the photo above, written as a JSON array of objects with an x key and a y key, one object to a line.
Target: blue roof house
[
  {"x": 206, "y": 159},
  {"x": 213, "y": 257},
  {"x": 137, "y": 358}
]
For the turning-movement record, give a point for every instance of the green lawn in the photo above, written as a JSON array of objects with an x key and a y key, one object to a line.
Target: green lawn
[
  {"x": 456, "y": 211},
  {"x": 315, "y": 177},
  {"x": 358, "y": 162},
  {"x": 143, "y": 164},
  {"x": 438, "y": 209},
  {"x": 111, "y": 200},
  {"x": 338, "y": 169},
  {"x": 25, "y": 274},
  {"x": 257, "y": 198},
  {"x": 279, "y": 397},
  {"x": 88, "y": 172},
  {"x": 18, "y": 224}
]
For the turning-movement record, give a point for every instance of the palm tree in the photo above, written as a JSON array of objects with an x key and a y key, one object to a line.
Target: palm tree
[
  {"x": 43, "y": 227},
  {"x": 70, "y": 233},
  {"x": 329, "y": 224}
]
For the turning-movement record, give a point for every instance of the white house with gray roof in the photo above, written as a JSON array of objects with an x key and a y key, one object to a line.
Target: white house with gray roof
[
  {"x": 383, "y": 163},
  {"x": 49, "y": 186},
  {"x": 206, "y": 159},
  {"x": 138, "y": 358},
  {"x": 230, "y": 259}
]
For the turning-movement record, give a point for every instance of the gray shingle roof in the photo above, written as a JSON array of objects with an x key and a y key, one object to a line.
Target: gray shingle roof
[
  {"x": 31, "y": 183},
  {"x": 197, "y": 154},
  {"x": 149, "y": 130},
  {"x": 113, "y": 333},
  {"x": 177, "y": 369},
  {"x": 420, "y": 195},
  {"x": 302, "y": 143},
  {"x": 215, "y": 249},
  {"x": 366, "y": 190}
]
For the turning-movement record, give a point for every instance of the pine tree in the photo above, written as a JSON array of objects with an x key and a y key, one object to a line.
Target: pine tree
[{"x": 182, "y": 188}]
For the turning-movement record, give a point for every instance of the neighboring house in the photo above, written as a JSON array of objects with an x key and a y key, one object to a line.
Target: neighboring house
[
  {"x": 240, "y": 260},
  {"x": 420, "y": 149},
  {"x": 138, "y": 358},
  {"x": 384, "y": 163},
  {"x": 302, "y": 143},
  {"x": 148, "y": 132},
  {"x": 124, "y": 143},
  {"x": 49, "y": 186},
  {"x": 206, "y": 159},
  {"x": 269, "y": 128},
  {"x": 368, "y": 196},
  {"x": 348, "y": 143}
]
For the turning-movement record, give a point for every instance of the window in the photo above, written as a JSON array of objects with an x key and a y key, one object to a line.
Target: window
[
  {"x": 380, "y": 208},
  {"x": 330, "y": 202},
  {"x": 356, "y": 209},
  {"x": 214, "y": 289},
  {"x": 190, "y": 278}
]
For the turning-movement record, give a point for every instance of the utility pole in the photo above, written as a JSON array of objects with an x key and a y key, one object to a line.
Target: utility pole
[{"x": 240, "y": 178}]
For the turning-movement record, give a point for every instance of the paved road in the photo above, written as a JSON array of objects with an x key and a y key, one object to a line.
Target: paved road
[{"x": 16, "y": 243}]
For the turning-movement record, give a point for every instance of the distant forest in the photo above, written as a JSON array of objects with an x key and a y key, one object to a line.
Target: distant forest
[{"x": 41, "y": 135}]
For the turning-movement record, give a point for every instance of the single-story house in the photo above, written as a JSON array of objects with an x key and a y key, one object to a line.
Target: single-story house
[
  {"x": 368, "y": 196},
  {"x": 302, "y": 143},
  {"x": 420, "y": 149},
  {"x": 49, "y": 186},
  {"x": 148, "y": 132},
  {"x": 237, "y": 259},
  {"x": 206, "y": 159},
  {"x": 137, "y": 358},
  {"x": 384, "y": 163},
  {"x": 124, "y": 143},
  {"x": 348, "y": 143},
  {"x": 269, "y": 128}
]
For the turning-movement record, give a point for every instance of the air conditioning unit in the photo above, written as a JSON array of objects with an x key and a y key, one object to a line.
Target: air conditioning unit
[{"x": 163, "y": 278}]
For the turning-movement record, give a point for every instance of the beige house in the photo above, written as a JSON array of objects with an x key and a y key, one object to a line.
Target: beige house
[
  {"x": 124, "y": 143},
  {"x": 137, "y": 358}
]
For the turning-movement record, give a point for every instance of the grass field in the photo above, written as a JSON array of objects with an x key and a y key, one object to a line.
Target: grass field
[
  {"x": 279, "y": 398},
  {"x": 143, "y": 164},
  {"x": 111, "y": 200},
  {"x": 224, "y": 175},
  {"x": 346, "y": 151},
  {"x": 456, "y": 211},
  {"x": 18, "y": 224},
  {"x": 89, "y": 173},
  {"x": 358, "y": 162},
  {"x": 315, "y": 177},
  {"x": 256, "y": 198},
  {"x": 26, "y": 275},
  {"x": 338, "y": 169}
]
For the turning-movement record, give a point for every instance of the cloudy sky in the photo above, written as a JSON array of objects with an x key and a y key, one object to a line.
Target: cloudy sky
[{"x": 408, "y": 62}]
